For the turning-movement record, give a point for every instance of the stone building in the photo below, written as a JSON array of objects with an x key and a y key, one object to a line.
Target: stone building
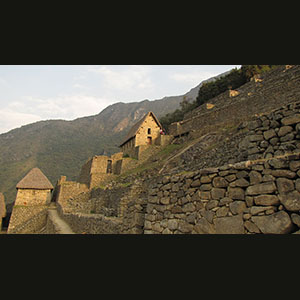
[
  {"x": 34, "y": 193},
  {"x": 142, "y": 134},
  {"x": 2, "y": 209},
  {"x": 99, "y": 168}
]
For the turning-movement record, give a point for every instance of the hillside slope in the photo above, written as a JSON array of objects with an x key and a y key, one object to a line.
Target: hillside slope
[{"x": 60, "y": 147}]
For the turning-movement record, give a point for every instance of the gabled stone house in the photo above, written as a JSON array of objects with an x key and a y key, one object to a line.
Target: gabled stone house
[{"x": 143, "y": 133}]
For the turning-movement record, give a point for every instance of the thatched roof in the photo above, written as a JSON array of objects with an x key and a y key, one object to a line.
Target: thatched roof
[
  {"x": 133, "y": 131},
  {"x": 35, "y": 179}
]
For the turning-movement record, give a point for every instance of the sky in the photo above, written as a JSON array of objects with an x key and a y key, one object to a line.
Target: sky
[{"x": 31, "y": 93}]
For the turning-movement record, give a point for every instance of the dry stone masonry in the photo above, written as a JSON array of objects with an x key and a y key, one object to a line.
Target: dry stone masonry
[{"x": 249, "y": 197}]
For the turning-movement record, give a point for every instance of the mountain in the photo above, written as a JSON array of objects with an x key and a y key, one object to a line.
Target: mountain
[{"x": 61, "y": 147}]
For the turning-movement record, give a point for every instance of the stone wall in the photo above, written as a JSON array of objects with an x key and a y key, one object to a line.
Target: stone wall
[
  {"x": 27, "y": 219},
  {"x": 278, "y": 87},
  {"x": 2, "y": 209},
  {"x": 29, "y": 211},
  {"x": 264, "y": 136},
  {"x": 248, "y": 197},
  {"x": 120, "y": 209}
]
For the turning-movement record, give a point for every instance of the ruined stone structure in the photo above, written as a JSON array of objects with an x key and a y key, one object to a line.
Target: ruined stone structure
[
  {"x": 2, "y": 209},
  {"x": 29, "y": 212},
  {"x": 245, "y": 182},
  {"x": 278, "y": 87},
  {"x": 144, "y": 133}
]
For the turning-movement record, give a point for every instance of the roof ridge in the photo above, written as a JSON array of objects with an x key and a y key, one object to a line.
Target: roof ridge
[{"x": 34, "y": 179}]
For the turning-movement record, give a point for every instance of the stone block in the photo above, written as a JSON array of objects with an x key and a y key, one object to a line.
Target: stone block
[
  {"x": 254, "y": 210},
  {"x": 278, "y": 223},
  {"x": 217, "y": 193},
  {"x": 255, "y": 177},
  {"x": 230, "y": 225},
  {"x": 220, "y": 182},
  {"x": 293, "y": 119},
  {"x": 266, "y": 200},
  {"x": 204, "y": 227},
  {"x": 284, "y": 130},
  {"x": 284, "y": 185},
  {"x": 206, "y": 187},
  {"x": 236, "y": 193},
  {"x": 269, "y": 134},
  {"x": 291, "y": 201},
  {"x": 211, "y": 204},
  {"x": 262, "y": 188},
  {"x": 237, "y": 207},
  {"x": 251, "y": 227}
]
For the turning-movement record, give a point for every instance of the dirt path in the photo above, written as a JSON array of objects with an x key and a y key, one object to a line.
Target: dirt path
[{"x": 60, "y": 225}]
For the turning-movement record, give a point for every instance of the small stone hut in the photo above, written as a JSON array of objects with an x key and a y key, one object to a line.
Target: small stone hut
[
  {"x": 144, "y": 132},
  {"x": 34, "y": 193}
]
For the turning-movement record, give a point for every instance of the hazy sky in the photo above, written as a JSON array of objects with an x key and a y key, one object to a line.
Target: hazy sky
[{"x": 42, "y": 92}]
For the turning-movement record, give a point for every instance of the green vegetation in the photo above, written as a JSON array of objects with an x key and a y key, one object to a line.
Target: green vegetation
[{"x": 234, "y": 79}]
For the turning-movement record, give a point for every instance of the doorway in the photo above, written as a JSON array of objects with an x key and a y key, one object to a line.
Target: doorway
[{"x": 149, "y": 140}]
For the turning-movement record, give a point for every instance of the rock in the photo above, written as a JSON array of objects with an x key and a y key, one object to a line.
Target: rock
[
  {"x": 196, "y": 183},
  {"x": 249, "y": 201},
  {"x": 297, "y": 184},
  {"x": 254, "y": 124},
  {"x": 166, "y": 187},
  {"x": 269, "y": 134},
  {"x": 291, "y": 201},
  {"x": 242, "y": 182},
  {"x": 236, "y": 193},
  {"x": 295, "y": 219},
  {"x": 278, "y": 223},
  {"x": 255, "y": 177},
  {"x": 219, "y": 182},
  {"x": 211, "y": 204},
  {"x": 205, "y": 187},
  {"x": 293, "y": 119},
  {"x": 175, "y": 187},
  {"x": 222, "y": 211},
  {"x": 217, "y": 193},
  {"x": 225, "y": 201},
  {"x": 251, "y": 227},
  {"x": 294, "y": 165},
  {"x": 205, "y": 179},
  {"x": 273, "y": 141},
  {"x": 185, "y": 227},
  {"x": 241, "y": 174},
  {"x": 230, "y": 177},
  {"x": 167, "y": 231},
  {"x": 284, "y": 130},
  {"x": 278, "y": 163},
  {"x": 204, "y": 227},
  {"x": 204, "y": 195},
  {"x": 237, "y": 207},
  {"x": 172, "y": 224},
  {"x": 230, "y": 225},
  {"x": 288, "y": 137},
  {"x": 254, "y": 210},
  {"x": 208, "y": 215},
  {"x": 283, "y": 173},
  {"x": 284, "y": 185},
  {"x": 188, "y": 207},
  {"x": 266, "y": 200},
  {"x": 262, "y": 188},
  {"x": 176, "y": 209},
  {"x": 165, "y": 200}
]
